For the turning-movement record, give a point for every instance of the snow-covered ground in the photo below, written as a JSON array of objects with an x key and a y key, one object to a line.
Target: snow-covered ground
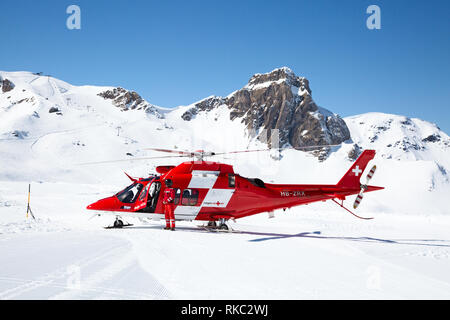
[
  {"x": 310, "y": 252},
  {"x": 315, "y": 251}
]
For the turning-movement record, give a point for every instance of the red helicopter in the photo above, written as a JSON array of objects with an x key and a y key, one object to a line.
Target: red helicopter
[{"x": 213, "y": 192}]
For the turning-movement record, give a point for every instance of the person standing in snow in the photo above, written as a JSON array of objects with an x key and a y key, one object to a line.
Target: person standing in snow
[{"x": 169, "y": 196}]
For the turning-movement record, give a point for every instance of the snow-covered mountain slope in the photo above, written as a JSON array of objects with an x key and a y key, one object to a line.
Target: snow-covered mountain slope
[
  {"x": 49, "y": 128},
  {"x": 415, "y": 158},
  {"x": 400, "y": 137},
  {"x": 48, "y": 125}
]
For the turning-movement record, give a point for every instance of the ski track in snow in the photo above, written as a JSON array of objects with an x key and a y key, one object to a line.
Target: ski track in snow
[
  {"x": 36, "y": 140},
  {"x": 51, "y": 279},
  {"x": 97, "y": 274}
]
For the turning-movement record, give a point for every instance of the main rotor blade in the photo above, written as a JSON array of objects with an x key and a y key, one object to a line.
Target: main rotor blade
[
  {"x": 126, "y": 160},
  {"x": 183, "y": 153},
  {"x": 279, "y": 149},
  {"x": 193, "y": 153},
  {"x": 241, "y": 151}
]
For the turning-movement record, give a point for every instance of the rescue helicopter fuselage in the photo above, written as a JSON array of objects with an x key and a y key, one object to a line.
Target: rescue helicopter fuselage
[{"x": 212, "y": 191}]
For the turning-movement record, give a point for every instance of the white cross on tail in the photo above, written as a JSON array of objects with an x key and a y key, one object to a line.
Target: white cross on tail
[{"x": 357, "y": 171}]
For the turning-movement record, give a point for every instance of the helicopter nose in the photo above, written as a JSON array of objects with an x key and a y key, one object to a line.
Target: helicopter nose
[
  {"x": 103, "y": 204},
  {"x": 92, "y": 206}
]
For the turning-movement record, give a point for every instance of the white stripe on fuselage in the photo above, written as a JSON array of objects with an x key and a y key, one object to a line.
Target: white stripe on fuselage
[
  {"x": 203, "y": 179},
  {"x": 187, "y": 212},
  {"x": 218, "y": 198}
]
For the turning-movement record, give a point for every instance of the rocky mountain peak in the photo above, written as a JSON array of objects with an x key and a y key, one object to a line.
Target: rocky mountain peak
[
  {"x": 129, "y": 100},
  {"x": 278, "y": 76},
  {"x": 279, "y": 100}
]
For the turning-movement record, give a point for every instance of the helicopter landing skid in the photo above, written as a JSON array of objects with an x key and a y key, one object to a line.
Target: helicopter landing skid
[{"x": 118, "y": 224}]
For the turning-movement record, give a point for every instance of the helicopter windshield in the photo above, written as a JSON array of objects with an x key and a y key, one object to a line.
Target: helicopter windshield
[{"x": 130, "y": 193}]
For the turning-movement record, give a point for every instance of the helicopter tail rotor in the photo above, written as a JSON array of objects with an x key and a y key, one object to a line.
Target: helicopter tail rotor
[{"x": 364, "y": 187}]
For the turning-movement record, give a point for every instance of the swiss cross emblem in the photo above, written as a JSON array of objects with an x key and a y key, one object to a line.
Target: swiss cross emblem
[{"x": 357, "y": 171}]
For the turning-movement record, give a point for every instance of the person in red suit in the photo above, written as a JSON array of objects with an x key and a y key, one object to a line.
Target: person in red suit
[{"x": 169, "y": 196}]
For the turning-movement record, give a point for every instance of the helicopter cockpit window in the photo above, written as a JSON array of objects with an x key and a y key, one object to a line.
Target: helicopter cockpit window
[{"x": 130, "y": 193}]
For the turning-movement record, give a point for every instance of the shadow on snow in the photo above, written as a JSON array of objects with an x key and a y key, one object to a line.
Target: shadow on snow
[{"x": 267, "y": 236}]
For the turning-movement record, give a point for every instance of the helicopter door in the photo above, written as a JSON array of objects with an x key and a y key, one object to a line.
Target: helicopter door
[
  {"x": 141, "y": 201},
  {"x": 153, "y": 195}
]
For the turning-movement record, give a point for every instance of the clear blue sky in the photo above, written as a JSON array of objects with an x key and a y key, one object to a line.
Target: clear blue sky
[{"x": 177, "y": 52}]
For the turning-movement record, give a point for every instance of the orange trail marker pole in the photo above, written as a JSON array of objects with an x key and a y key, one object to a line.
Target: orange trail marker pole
[{"x": 28, "y": 206}]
